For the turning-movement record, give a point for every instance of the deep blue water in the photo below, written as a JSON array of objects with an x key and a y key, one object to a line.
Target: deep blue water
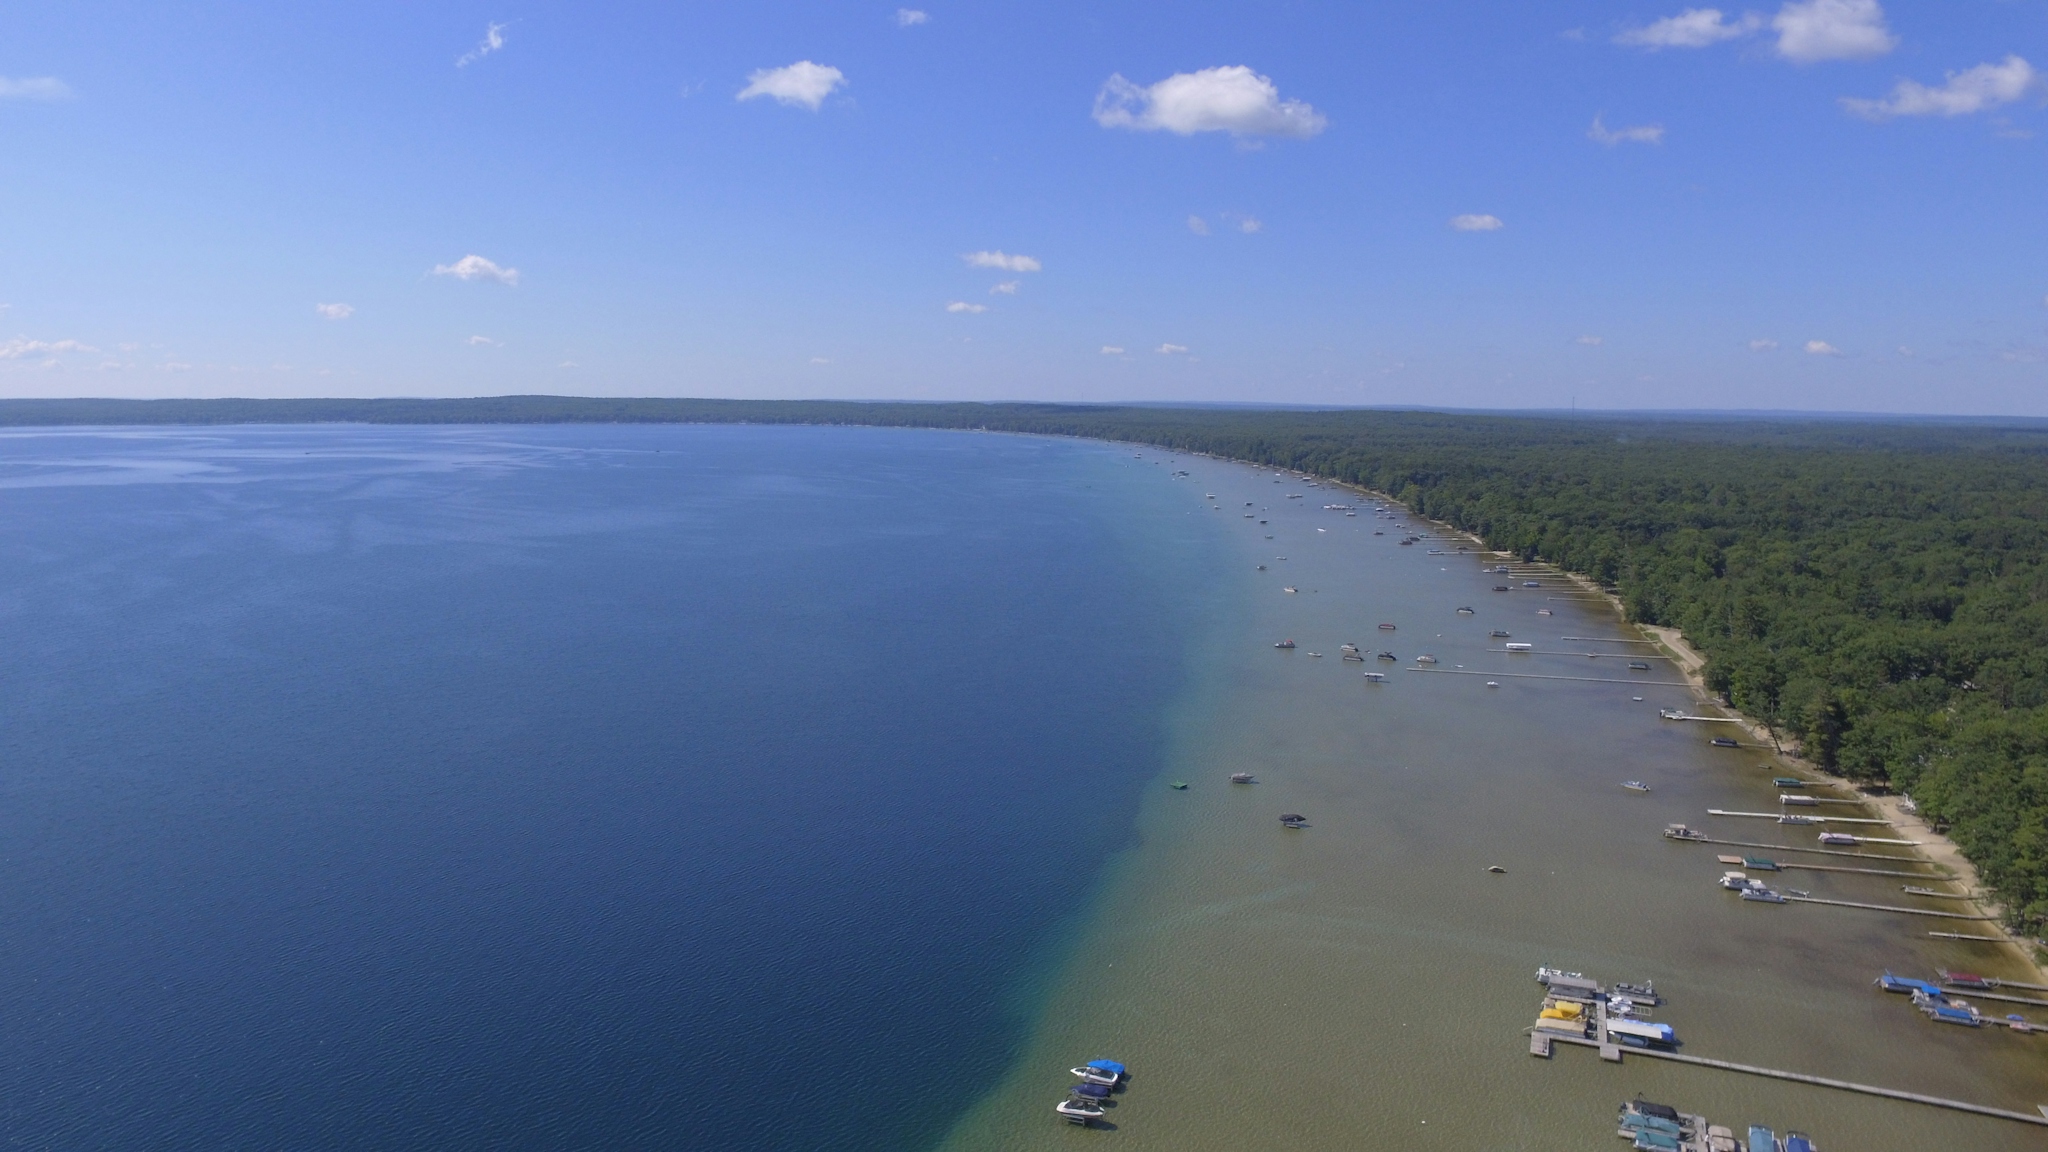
[{"x": 534, "y": 788}]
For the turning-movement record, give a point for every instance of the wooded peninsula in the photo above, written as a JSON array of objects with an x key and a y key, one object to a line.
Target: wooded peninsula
[{"x": 1877, "y": 591}]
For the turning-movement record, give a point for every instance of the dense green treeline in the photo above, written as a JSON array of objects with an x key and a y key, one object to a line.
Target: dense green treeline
[{"x": 1877, "y": 591}]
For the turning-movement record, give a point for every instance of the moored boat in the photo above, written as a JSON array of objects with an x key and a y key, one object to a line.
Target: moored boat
[
  {"x": 1512, "y": 646},
  {"x": 1762, "y": 895},
  {"x": 1635, "y": 785},
  {"x": 1284, "y": 644},
  {"x": 1079, "y": 1111},
  {"x": 1243, "y": 778},
  {"x": 1639, "y": 666},
  {"x": 1788, "y": 782},
  {"x": 1681, "y": 832},
  {"x": 1101, "y": 1072},
  {"x": 1838, "y": 838},
  {"x": 1724, "y": 742}
]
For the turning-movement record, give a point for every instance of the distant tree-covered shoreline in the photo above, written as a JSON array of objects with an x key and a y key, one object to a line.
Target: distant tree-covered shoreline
[{"x": 1878, "y": 591}]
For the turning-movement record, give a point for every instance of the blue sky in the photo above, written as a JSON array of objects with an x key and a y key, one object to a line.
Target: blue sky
[{"x": 1821, "y": 204}]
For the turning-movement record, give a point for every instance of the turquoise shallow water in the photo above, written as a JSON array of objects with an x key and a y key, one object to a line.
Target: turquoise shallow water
[{"x": 558, "y": 787}]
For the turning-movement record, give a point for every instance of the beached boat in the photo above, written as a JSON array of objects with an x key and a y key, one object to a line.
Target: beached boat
[
  {"x": 1243, "y": 778},
  {"x": 1635, "y": 785},
  {"x": 1284, "y": 644},
  {"x": 1079, "y": 1111},
  {"x": 1723, "y": 742}
]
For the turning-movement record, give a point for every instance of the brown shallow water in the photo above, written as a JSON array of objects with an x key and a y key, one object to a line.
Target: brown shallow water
[{"x": 1367, "y": 983}]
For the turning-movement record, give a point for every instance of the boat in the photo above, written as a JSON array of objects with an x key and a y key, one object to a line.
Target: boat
[
  {"x": 1671, "y": 713},
  {"x": 1284, "y": 644},
  {"x": 1317, "y": 655},
  {"x": 1497, "y": 870},
  {"x": 1386, "y": 627},
  {"x": 1790, "y": 818},
  {"x": 1290, "y": 588},
  {"x": 1838, "y": 838},
  {"x": 1465, "y": 611},
  {"x": 1639, "y": 666},
  {"x": 1388, "y": 656},
  {"x": 1762, "y": 895},
  {"x": 1723, "y": 742},
  {"x": 1500, "y": 633},
  {"x": 1079, "y": 1111},
  {"x": 1179, "y": 785},
  {"x": 1091, "y": 1091},
  {"x": 1493, "y": 683},
  {"x": 1788, "y": 782},
  {"x": 1262, "y": 567},
  {"x": 1760, "y": 863},
  {"x": 1500, "y": 587},
  {"x": 1425, "y": 659},
  {"x": 1637, "y": 699},
  {"x": 1352, "y": 648},
  {"x": 1545, "y": 612},
  {"x": 1735, "y": 881},
  {"x": 1517, "y": 647},
  {"x": 1243, "y": 778},
  {"x": 1107, "y": 1072},
  {"x": 1354, "y": 656},
  {"x": 1294, "y": 820},
  {"x": 1762, "y": 1139},
  {"x": 1966, "y": 979},
  {"x": 1376, "y": 677},
  {"x": 1948, "y": 1014},
  {"x": 1681, "y": 832},
  {"x": 1642, "y": 1033},
  {"x": 1799, "y": 1142},
  {"x": 1635, "y": 785},
  {"x": 1644, "y": 993},
  {"x": 1532, "y": 584},
  {"x": 1799, "y": 801},
  {"x": 1891, "y": 983}
]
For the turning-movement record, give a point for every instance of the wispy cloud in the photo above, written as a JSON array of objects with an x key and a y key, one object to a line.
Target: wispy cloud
[
  {"x": 1003, "y": 261},
  {"x": 1171, "y": 349},
  {"x": 1234, "y": 99},
  {"x": 473, "y": 267},
  {"x": 820, "y": 360},
  {"x": 1249, "y": 224},
  {"x": 494, "y": 39},
  {"x": 1811, "y": 30},
  {"x": 1198, "y": 226},
  {"x": 21, "y": 347},
  {"x": 1590, "y": 341},
  {"x": 1971, "y": 90},
  {"x": 1006, "y": 288},
  {"x": 1692, "y": 28},
  {"x": 906, "y": 17},
  {"x": 335, "y": 311},
  {"x": 1821, "y": 348},
  {"x": 1471, "y": 222},
  {"x": 34, "y": 88},
  {"x": 483, "y": 341},
  {"x": 1638, "y": 134},
  {"x": 964, "y": 306},
  {"x": 1111, "y": 350},
  {"x": 1763, "y": 345},
  {"x": 799, "y": 85}
]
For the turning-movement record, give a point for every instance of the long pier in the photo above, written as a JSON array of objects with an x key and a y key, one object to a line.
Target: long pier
[
  {"x": 1609, "y": 640},
  {"x": 1815, "y": 819},
  {"x": 1889, "y": 908},
  {"x": 1808, "y": 851},
  {"x": 1859, "y": 872},
  {"x": 1543, "y": 676},
  {"x": 2040, "y": 1120},
  {"x": 1976, "y": 995}
]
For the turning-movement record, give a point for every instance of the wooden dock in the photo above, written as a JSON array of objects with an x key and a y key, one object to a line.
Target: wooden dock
[
  {"x": 1815, "y": 819},
  {"x": 1543, "y": 676},
  {"x": 2040, "y": 1119},
  {"x": 1973, "y": 939},
  {"x": 1607, "y": 639},
  {"x": 1813, "y": 851},
  {"x": 1974, "y": 994},
  {"x": 1889, "y": 908}
]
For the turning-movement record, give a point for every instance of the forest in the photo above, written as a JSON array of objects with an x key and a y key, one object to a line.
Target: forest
[{"x": 1876, "y": 591}]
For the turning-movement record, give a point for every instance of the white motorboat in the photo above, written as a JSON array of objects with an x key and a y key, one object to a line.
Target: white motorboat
[{"x": 1079, "y": 1111}]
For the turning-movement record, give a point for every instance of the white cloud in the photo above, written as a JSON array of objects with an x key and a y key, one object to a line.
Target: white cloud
[
  {"x": 1692, "y": 28},
  {"x": 335, "y": 311},
  {"x": 473, "y": 267},
  {"x": 1590, "y": 341},
  {"x": 1250, "y": 224},
  {"x": 1810, "y": 30},
  {"x": 20, "y": 346},
  {"x": 1971, "y": 90},
  {"x": 1235, "y": 99},
  {"x": 820, "y": 360},
  {"x": 475, "y": 341},
  {"x": 1821, "y": 348},
  {"x": 1170, "y": 349},
  {"x": 1905, "y": 352},
  {"x": 905, "y": 17},
  {"x": 1198, "y": 226},
  {"x": 1477, "y": 223},
  {"x": 1002, "y": 260},
  {"x": 568, "y": 364},
  {"x": 1763, "y": 345},
  {"x": 1111, "y": 350},
  {"x": 1639, "y": 134},
  {"x": 494, "y": 39},
  {"x": 1006, "y": 288},
  {"x": 34, "y": 88},
  {"x": 799, "y": 85},
  {"x": 964, "y": 306}
]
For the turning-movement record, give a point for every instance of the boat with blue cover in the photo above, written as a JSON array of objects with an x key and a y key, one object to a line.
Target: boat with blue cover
[
  {"x": 1106, "y": 1072},
  {"x": 1799, "y": 1142},
  {"x": 1762, "y": 1139}
]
